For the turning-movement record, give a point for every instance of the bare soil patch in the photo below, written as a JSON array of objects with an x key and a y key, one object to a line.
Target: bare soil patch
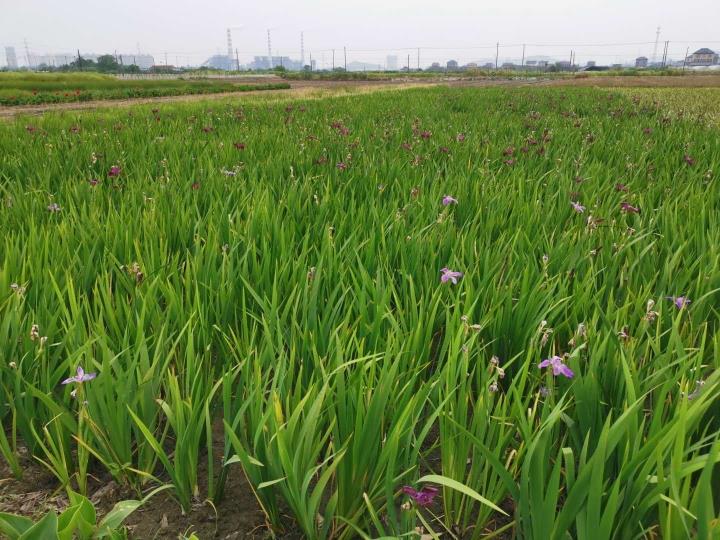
[
  {"x": 650, "y": 81},
  {"x": 236, "y": 516}
]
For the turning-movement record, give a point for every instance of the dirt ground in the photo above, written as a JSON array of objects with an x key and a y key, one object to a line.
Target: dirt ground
[
  {"x": 161, "y": 517},
  {"x": 655, "y": 81}
]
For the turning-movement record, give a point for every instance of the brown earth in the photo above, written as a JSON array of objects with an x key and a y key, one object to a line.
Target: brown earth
[
  {"x": 639, "y": 81},
  {"x": 236, "y": 516}
]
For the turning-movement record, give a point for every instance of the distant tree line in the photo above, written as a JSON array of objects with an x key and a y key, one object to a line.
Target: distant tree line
[{"x": 107, "y": 63}]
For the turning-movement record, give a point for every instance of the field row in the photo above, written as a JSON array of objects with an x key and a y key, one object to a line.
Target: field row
[{"x": 19, "y": 89}]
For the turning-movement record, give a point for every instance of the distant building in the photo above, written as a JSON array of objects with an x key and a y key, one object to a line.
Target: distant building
[
  {"x": 452, "y": 65},
  {"x": 471, "y": 65},
  {"x": 11, "y": 58},
  {"x": 59, "y": 60},
  {"x": 591, "y": 63},
  {"x": 508, "y": 65},
  {"x": 435, "y": 66},
  {"x": 143, "y": 61},
  {"x": 703, "y": 57},
  {"x": 537, "y": 63},
  {"x": 391, "y": 62},
  {"x": 641, "y": 62},
  {"x": 261, "y": 62},
  {"x": 219, "y": 61},
  {"x": 563, "y": 64},
  {"x": 489, "y": 65},
  {"x": 363, "y": 66}
]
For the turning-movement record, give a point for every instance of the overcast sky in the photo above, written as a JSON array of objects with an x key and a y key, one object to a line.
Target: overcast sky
[{"x": 191, "y": 30}]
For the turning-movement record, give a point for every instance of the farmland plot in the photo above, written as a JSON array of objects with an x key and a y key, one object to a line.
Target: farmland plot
[{"x": 460, "y": 312}]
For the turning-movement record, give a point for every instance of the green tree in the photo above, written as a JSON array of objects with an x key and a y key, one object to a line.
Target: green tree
[
  {"x": 107, "y": 63},
  {"x": 83, "y": 64}
]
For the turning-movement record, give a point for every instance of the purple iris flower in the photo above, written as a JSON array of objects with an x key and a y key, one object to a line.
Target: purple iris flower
[
  {"x": 680, "y": 301},
  {"x": 449, "y": 199},
  {"x": 629, "y": 208},
  {"x": 424, "y": 497},
  {"x": 557, "y": 366},
  {"x": 450, "y": 275},
  {"x": 81, "y": 377},
  {"x": 114, "y": 171},
  {"x": 579, "y": 208}
]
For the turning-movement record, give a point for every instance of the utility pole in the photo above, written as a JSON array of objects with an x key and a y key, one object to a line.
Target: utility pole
[
  {"x": 662, "y": 59},
  {"x": 418, "y": 58},
  {"x": 166, "y": 59},
  {"x": 345, "y": 55},
  {"x": 237, "y": 59},
  {"x": 687, "y": 51},
  {"x": 497, "y": 54},
  {"x": 408, "y": 64},
  {"x": 523, "y": 57},
  {"x": 333, "y": 60},
  {"x": 79, "y": 60},
  {"x": 311, "y": 62},
  {"x": 270, "y": 66},
  {"x": 665, "y": 53}
]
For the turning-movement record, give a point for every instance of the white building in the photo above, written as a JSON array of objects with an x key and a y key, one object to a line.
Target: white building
[
  {"x": 11, "y": 58},
  {"x": 391, "y": 62},
  {"x": 143, "y": 61}
]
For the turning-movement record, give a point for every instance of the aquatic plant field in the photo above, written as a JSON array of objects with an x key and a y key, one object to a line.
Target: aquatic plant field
[
  {"x": 35, "y": 89},
  {"x": 455, "y": 312}
]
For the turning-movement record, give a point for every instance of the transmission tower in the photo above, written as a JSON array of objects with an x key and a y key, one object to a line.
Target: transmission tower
[
  {"x": 657, "y": 39},
  {"x": 302, "y": 50},
  {"x": 229, "y": 48}
]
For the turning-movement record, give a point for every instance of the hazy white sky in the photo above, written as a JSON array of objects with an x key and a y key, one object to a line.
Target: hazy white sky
[{"x": 191, "y": 30}]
